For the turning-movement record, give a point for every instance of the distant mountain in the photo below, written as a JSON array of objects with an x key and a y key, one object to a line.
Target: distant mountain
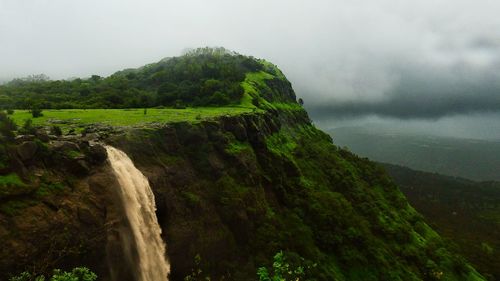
[
  {"x": 466, "y": 158},
  {"x": 464, "y": 211}
]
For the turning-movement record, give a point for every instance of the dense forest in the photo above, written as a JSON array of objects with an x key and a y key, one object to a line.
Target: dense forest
[{"x": 201, "y": 77}]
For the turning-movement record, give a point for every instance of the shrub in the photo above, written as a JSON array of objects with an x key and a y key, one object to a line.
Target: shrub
[
  {"x": 77, "y": 274},
  {"x": 28, "y": 128},
  {"x": 55, "y": 130},
  {"x": 36, "y": 112},
  {"x": 281, "y": 270},
  {"x": 7, "y": 126},
  {"x": 10, "y": 111}
]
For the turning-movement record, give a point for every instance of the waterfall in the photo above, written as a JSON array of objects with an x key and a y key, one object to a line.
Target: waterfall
[{"x": 145, "y": 248}]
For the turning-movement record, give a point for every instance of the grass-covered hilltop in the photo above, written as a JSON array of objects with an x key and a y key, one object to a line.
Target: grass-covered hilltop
[
  {"x": 204, "y": 83},
  {"x": 202, "y": 77},
  {"x": 246, "y": 187}
]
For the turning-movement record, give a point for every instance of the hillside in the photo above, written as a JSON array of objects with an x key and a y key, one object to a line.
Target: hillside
[
  {"x": 231, "y": 191},
  {"x": 465, "y": 158},
  {"x": 463, "y": 211}
]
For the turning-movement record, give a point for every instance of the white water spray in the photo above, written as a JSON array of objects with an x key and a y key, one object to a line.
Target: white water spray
[{"x": 139, "y": 204}]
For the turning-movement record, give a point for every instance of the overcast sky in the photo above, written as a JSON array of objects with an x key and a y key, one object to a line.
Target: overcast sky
[{"x": 398, "y": 60}]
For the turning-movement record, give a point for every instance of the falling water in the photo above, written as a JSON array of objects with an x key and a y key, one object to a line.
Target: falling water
[{"x": 139, "y": 205}]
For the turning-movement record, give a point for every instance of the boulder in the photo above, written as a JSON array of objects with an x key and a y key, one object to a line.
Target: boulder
[
  {"x": 42, "y": 135},
  {"x": 97, "y": 154},
  {"x": 64, "y": 146},
  {"x": 23, "y": 138},
  {"x": 86, "y": 216},
  {"x": 27, "y": 150}
]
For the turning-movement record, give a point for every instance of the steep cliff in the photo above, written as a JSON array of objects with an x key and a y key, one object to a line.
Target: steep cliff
[{"x": 232, "y": 190}]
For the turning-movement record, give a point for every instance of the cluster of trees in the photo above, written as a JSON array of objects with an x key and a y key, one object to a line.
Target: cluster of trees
[{"x": 201, "y": 77}]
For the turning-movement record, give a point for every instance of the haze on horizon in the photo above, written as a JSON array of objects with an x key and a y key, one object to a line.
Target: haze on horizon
[{"x": 423, "y": 65}]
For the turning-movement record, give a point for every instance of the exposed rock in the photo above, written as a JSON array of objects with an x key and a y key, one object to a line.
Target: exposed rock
[
  {"x": 64, "y": 146},
  {"x": 27, "y": 150},
  {"x": 42, "y": 135},
  {"x": 83, "y": 167},
  {"x": 234, "y": 126},
  {"x": 91, "y": 136},
  {"x": 23, "y": 138},
  {"x": 97, "y": 154},
  {"x": 86, "y": 216}
]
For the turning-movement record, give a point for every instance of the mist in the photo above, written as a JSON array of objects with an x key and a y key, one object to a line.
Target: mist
[{"x": 432, "y": 63}]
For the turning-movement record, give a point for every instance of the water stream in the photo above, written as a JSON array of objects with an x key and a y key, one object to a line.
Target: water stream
[{"x": 146, "y": 246}]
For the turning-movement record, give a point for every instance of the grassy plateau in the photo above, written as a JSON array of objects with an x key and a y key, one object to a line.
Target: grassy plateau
[{"x": 125, "y": 117}]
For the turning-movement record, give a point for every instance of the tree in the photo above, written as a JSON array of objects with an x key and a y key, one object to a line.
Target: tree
[
  {"x": 36, "y": 112},
  {"x": 219, "y": 98}
]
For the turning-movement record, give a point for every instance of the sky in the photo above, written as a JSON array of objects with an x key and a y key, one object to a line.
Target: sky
[{"x": 432, "y": 63}]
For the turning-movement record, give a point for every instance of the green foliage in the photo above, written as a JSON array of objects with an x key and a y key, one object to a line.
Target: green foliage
[
  {"x": 7, "y": 127},
  {"x": 28, "y": 128},
  {"x": 11, "y": 179},
  {"x": 281, "y": 270},
  {"x": 197, "y": 273},
  {"x": 55, "y": 130},
  {"x": 236, "y": 147},
  {"x": 36, "y": 112},
  {"x": 49, "y": 188},
  {"x": 463, "y": 211},
  {"x": 77, "y": 274}
]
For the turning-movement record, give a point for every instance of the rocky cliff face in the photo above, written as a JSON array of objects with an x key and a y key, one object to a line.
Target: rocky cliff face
[{"x": 56, "y": 216}]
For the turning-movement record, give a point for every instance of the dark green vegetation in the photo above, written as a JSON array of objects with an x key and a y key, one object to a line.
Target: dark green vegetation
[
  {"x": 466, "y": 158},
  {"x": 466, "y": 212},
  {"x": 199, "y": 78},
  {"x": 77, "y": 274},
  {"x": 281, "y": 270},
  {"x": 231, "y": 189}
]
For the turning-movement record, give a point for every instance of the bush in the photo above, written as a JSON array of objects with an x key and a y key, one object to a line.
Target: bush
[
  {"x": 55, "y": 130},
  {"x": 36, "y": 112},
  {"x": 77, "y": 274},
  {"x": 7, "y": 126},
  {"x": 28, "y": 128},
  {"x": 281, "y": 270},
  {"x": 10, "y": 111}
]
